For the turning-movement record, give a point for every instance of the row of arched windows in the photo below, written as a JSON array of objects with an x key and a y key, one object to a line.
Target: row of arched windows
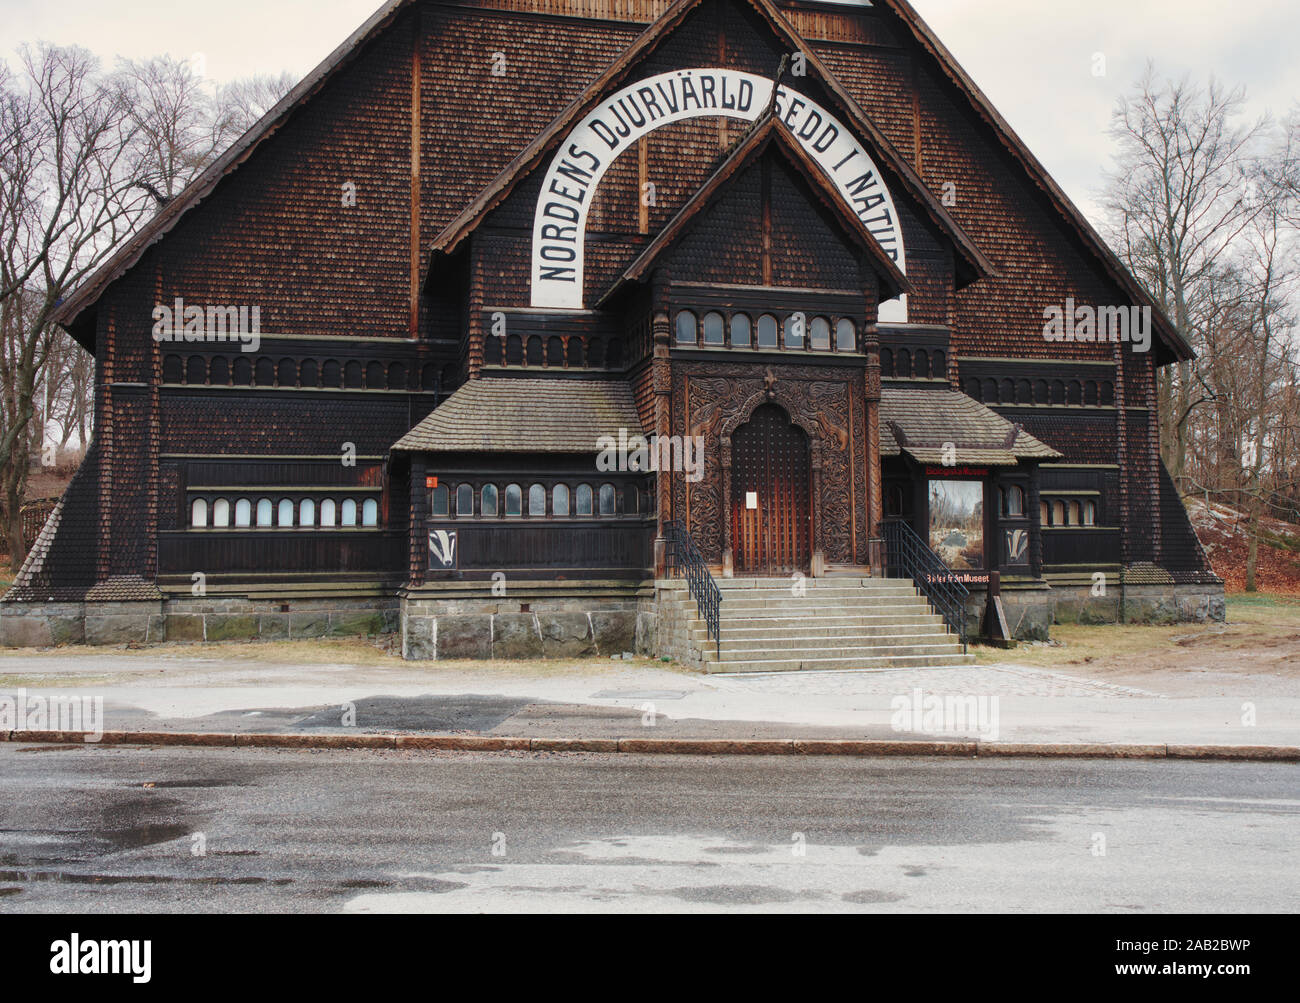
[
  {"x": 556, "y": 352},
  {"x": 796, "y": 332},
  {"x": 217, "y": 370},
  {"x": 919, "y": 363},
  {"x": 1067, "y": 512},
  {"x": 560, "y": 501},
  {"x": 284, "y": 513},
  {"x": 1086, "y": 393}
]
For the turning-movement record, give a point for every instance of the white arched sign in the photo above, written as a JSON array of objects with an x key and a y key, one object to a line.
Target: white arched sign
[{"x": 560, "y": 220}]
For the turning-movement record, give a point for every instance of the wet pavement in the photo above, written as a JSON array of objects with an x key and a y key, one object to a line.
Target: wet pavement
[{"x": 106, "y": 829}]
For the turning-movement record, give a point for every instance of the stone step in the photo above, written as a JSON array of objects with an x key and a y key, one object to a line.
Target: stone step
[
  {"x": 741, "y": 630},
  {"x": 787, "y": 623},
  {"x": 802, "y": 608},
  {"x": 815, "y": 643},
  {"x": 867, "y": 651},
  {"x": 820, "y": 664}
]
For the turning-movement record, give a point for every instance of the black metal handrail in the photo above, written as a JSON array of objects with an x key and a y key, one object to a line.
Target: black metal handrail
[
  {"x": 684, "y": 559},
  {"x": 908, "y": 556}
]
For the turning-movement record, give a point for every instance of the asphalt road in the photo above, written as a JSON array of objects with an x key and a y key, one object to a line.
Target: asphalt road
[{"x": 121, "y": 829}]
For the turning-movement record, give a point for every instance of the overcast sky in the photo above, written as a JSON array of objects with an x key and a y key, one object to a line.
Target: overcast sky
[{"x": 1034, "y": 58}]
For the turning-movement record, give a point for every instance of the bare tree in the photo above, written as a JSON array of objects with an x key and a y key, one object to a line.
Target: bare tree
[
  {"x": 1177, "y": 200},
  {"x": 66, "y": 198},
  {"x": 241, "y": 104}
]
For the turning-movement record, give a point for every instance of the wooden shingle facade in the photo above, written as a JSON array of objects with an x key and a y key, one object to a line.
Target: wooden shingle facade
[{"x": 534, "y": 279}]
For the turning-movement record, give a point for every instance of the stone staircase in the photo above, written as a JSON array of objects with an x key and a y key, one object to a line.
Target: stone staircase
[{"x": 828, "y": 623}]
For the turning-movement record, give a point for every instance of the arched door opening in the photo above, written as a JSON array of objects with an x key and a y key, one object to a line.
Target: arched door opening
[{"x": 771, "y": 513}]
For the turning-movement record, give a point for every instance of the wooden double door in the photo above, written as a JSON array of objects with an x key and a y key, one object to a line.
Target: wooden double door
[{"x": 771, "y": 513}]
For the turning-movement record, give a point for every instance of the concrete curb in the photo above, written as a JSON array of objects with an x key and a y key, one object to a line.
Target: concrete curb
[{"x": 669, "y": 746}]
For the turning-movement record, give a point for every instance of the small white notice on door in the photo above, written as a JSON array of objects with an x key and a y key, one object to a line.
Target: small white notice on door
[{"x": 751, "y": 499}]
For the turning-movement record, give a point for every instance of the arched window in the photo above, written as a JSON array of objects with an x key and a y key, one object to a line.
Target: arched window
[
  {"x": 1090, "y": 513},
  {"x": 846, "y": 336},
  {"x": 439, "y": 500},
  {"x": 514, "y": 350},
  {"x": 242, "y": 372},
  {"x": 286, "y": 373},
  {"x": 173, "y": 369},
  {"x": 536, "y": 500},
  {"x": 396, "y": 376},
  {"x": 741, "y": 330},
  {"x": 560, "y": 500},
  {"x": 284, "y": 512},
  {"x": 767, "y": 328},
  {"x": 329, "y": 512},
  {"x": 488, "y": 500},
  {"x": 370, "y": 512},
  {"x": 607, "y": 499},
  {"x": 219, "y": 371},
  {"x": 348, "y": 512},
  {"x": 352, "y": 375},
  {"x": 265, "y": 512},
  {"x": 465, "y": 500},
  {"x": 819, "y": 334},
  {"x": 307, "y": 513},
  {"x": 221, "y": 513},
  {"x": 887, "y": 365},
  {"x": 714, "y": 328},
  {"x": 794, "y": 330},
  {"x": 243, "y": 512},
  {"x": 331, "y": 374},
  {"x": 894, "y": 500},
  {"x": 1075, "y": 519},
  {"x": 1044, "y": 519},
  {"x": 903, "y": 363},
  {"x": 921, "y": 364},
  {"x": 491, "y": 353},
  {"x": 308, "y": 373},
  {"x": 199, "y": 514},
  {"x": 1058, "y": 513},
  {"x": 686, "y": 328},
  {"x": 555, "y": 351},
  {"x": 595, "y": 353},
  {"x": 196, "y": 370},
  {"x": 631, "y": 500},
  {"x": 1074, "y": 392},
  {"x": 939, "y": 365},
  {"x": 534, "y": 351},
  {"x": 514, "y": 500},
  {"x": 582, "y": 499},
  {"x": 1013, "y": 501},
  {"x": 376, "y": 378},
  {"x": 573, "y": 352}
]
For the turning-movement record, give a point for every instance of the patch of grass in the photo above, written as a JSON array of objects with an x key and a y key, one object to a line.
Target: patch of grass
[
  {"x": 53, "y": 681},
  {"x": 1251, "y": 620}
]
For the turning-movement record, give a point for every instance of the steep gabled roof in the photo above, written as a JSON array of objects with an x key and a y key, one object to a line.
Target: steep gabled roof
[
  {"x": 133, "y": 249},
  {"x": 971, "y": 261},
  {"x": 767, "y": 133},
  {"x": 1038, "y": 174}
]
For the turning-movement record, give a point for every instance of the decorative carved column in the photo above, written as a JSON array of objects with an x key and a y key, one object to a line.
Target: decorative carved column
[
  {"x": 728, "y": 561},
  {"x": 818, "y": 566},
  {"x": 871, "y": 393},
  {"x": 662, "y": 383}
]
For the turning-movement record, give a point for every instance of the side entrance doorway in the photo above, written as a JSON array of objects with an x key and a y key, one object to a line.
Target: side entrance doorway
[{"x": 771, "y": 515}]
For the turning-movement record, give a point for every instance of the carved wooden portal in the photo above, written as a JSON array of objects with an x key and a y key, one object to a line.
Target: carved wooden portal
[{"x": 771, "y": 488}]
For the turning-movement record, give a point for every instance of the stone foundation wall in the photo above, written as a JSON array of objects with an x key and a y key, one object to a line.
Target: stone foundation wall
[
  {"x": 439, "y": 627},
  {"x": 32, "y": 625},
  {"x": 1152, "y": 604}
]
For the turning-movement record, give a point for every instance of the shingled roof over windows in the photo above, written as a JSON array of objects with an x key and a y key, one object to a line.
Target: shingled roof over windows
[
  {"x": 535, "y": 415},
  {"x": 922, "y": 422}
]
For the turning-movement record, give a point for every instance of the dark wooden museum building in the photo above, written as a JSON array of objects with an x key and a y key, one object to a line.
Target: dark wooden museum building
[{"x": 533, "y": 327}]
